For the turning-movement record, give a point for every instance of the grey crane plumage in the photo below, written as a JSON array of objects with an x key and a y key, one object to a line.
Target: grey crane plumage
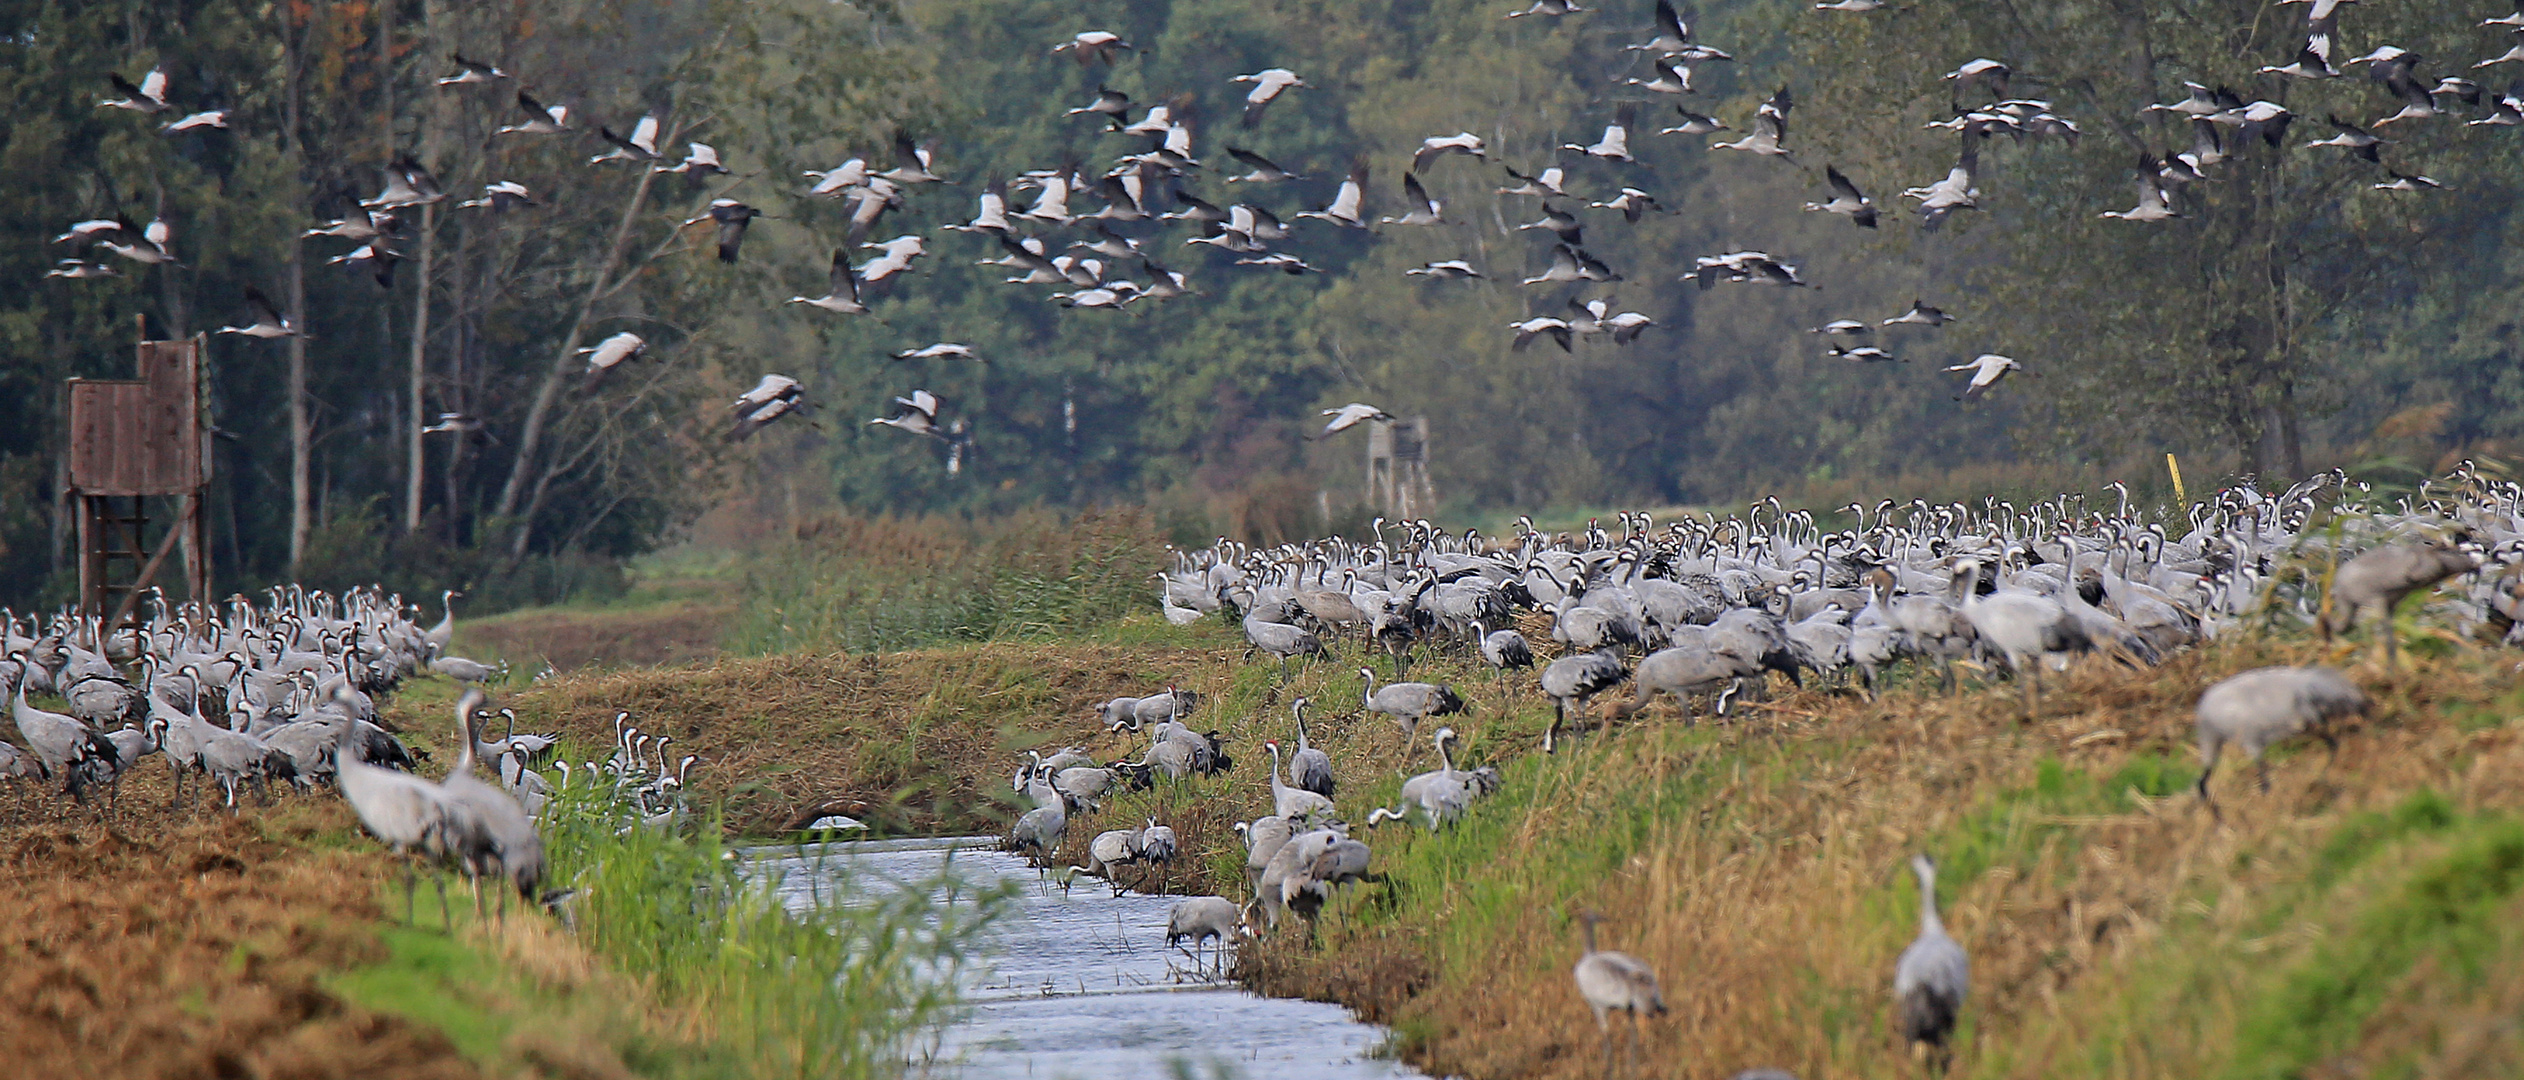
[
  {"x": 1616, "y": 982},
  {"x": 404, "y": 812},
  {"x": 2379, "y": 580},
  {"x": 2270, "y": 705},
  {"x": 1108, "y": 852},
  {"x": 1572, "y": 680},
  {"x": 1309, "y": 885},
  {"x": 1039, "y": 831},
  {"x": 63, "y": 747},
  {"x": 1281, "y": 639},
  {"x": 1213, "y": 919},
  {"x": 1503, "y": 649},
  {"x": 1309, "y": 767},
  {"x": 1263, "y": 837},
  {"x": 1408, "y": 703},
  {"x": 1687, "y": 669},
  {"x": 1293, "y": 803},
  {"x": 1931, "y": 978},
  {"x": 2022, "y": 626},
  {"x": 515, "y": 848},
  {"x": 1441, "y": 794}
]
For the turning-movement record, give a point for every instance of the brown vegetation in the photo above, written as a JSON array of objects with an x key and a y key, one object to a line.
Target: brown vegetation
[
  {"x": 921, "y": 741},
  {"x": 679, "y": 632},
  {"x": 158, "y": 946},
  {"x": 1769, "y": 890}
]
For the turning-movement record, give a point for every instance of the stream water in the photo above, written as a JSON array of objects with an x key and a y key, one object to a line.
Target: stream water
[{"x": 1081, "y": 985}]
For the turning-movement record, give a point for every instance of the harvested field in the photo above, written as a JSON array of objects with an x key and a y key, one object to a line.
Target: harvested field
[{"x": 157, "y": 947}]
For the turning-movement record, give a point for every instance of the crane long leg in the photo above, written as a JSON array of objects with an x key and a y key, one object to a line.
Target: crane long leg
[{"x": 446, "y": 915}]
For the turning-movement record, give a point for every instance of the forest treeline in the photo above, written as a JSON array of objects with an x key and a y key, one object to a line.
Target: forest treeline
[{"x": 2289, "y": 314}]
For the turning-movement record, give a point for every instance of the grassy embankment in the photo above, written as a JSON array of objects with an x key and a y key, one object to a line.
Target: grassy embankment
[{"x": 2361, "y": 917}]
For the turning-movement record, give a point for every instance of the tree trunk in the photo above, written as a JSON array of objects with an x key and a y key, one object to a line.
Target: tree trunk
[
  {"x": 453, "y": 396},
  {"x": 415, "y": 469},
  {"x": 530, "y": 438},
  {"x": 301, "y": 430}
]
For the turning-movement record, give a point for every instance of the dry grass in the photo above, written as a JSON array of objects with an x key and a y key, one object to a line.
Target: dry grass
[
  {"x": 676, "y": 632},
  {"x": 1766, "y": 883},
  {"x": 917, "y": 741}
]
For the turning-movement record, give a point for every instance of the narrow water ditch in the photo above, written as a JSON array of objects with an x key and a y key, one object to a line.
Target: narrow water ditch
[{"x": 1082, "y": 985}]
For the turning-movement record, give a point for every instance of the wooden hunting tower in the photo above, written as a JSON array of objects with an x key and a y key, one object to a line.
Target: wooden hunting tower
[
  {"x": 1398, "y": 468},
  {"x": 132, "y": 441}
]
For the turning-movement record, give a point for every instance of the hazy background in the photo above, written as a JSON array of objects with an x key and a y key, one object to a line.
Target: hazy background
[{"x": 2296, "y": 319}]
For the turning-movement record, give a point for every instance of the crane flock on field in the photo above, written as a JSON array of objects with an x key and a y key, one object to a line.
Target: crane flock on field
[
  {"x": 246, "y": 696},
  {"x": 1142, "y": 191},
  {"x": 1708, "y": 609}
]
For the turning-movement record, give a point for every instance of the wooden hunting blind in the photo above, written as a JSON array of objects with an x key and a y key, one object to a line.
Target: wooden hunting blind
[
  {"x": 131, "y": 441},
  {"x": 1398, "y": 467}
]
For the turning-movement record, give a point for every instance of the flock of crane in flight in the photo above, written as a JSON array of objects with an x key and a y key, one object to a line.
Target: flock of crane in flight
[
  {"x": 1713, "y": 607},
  {"x": 1148, "y": 186}
]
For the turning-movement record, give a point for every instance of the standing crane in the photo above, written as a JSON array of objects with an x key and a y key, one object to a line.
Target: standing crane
[
  {"x": 2022, "y": 626},
  {"x": 2270, "y": 705},
  {"x": 515, "y": 849},
  {"x": 1503, "y": 649},
  {"x": 1408, "y": 703},
  {"x": 1293, "y": 803},
  {"x": 1612, "y": 982},
  {"x": 64, "y": 748},
  {"x": 1930, "y": 979},
  {"x": 404, "y": 812},
  {"x": 1572, "y": 680},
  {"x": 1309, "y": 767},
  {"x": 2379, "y": 580}
]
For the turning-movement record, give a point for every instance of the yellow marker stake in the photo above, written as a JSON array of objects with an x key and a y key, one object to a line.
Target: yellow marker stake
[{"x": 2175, "y": 467}]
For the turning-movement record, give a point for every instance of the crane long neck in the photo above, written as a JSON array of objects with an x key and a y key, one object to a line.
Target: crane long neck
[
  {"x": 1589, "y": 924},
  {"x": 464, "y": 732},
  {"x": 1929, "y": 923},
  {"x": 1275, "y": 768},
  {"x": 1300, "y": 710},
  {"x": 1443, "y": 757}
]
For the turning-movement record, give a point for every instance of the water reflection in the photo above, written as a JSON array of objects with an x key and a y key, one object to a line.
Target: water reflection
[{"x": 1082, "y": 985}]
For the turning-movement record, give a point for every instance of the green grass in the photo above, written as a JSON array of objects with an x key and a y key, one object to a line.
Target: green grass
[
  {"x": 2440, "y": 901},
  {"x": 884, "y": 584},
  {"x": 841, "y": 986},
  {"x": 846, "y": 984}
]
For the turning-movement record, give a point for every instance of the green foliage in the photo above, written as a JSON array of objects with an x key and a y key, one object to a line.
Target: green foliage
[
  {"x": 802, "y": 978},
  {"x": 2450, "y": 912},
  {"x": 2294, "y": 312},
  {"x": 877, "y": 585}
]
